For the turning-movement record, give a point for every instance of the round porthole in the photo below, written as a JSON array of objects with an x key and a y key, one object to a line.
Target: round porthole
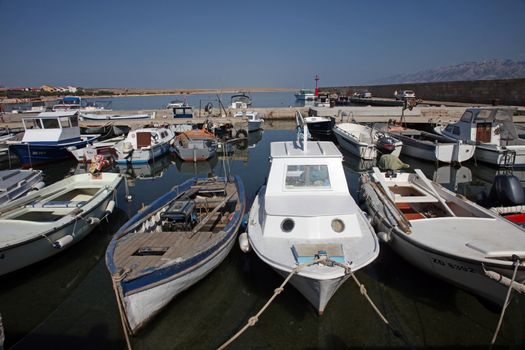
[
  {"x": 338, "y": 225},
  {"x": 287, "y": 225}
]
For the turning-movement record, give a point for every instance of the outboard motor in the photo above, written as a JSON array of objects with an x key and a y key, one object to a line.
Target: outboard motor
[
  {"x": 506, "y": 191},
  {"x": 386, "y": 144}
]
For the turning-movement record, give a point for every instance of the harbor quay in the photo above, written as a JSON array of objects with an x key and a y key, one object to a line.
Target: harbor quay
[{"x": 361, "y": 114}]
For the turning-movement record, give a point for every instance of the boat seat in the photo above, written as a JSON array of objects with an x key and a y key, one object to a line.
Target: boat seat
[{"x": 57, "y": 204}]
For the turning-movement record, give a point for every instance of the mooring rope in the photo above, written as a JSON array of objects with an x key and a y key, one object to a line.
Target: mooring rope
[
  {"x": 115, "y": 279},
  {"x": 516, "y": 265},
  {"x": 253, "y": 320}
]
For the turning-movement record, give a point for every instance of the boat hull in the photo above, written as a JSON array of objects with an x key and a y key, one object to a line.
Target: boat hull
[
  {"x": 39, "y": 153},
  {"x": 143, "y": 156},
  {"x": 317, "y": 292},
  {"x": 465, "y": 273},
  {"x": 143, "y": 297},
  {"x": 195, "y": 154},
  {"x": 496, "y": 155},
  {"x": 145, "y": 304},
  {"x": 442, "y": 152},
  {"x": 362, "y": 150},
  {"x": 34, "y": 250}
]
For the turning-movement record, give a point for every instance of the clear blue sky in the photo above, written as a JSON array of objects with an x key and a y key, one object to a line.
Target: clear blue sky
[{"x": 265, "y": 43}]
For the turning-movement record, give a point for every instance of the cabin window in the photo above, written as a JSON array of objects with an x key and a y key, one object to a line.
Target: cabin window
[
  {"x": 74, "y": 120},
  {"x": 307, "y": 176},
  {"x": 64, "y": 121},
  {"x": 32, "y": 123},
  {"x": 50, "y": 123},
  {"x": 466, "y": 117}
]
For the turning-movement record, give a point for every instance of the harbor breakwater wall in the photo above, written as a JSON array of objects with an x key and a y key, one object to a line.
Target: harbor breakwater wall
[{"x": 501, "y": 91}]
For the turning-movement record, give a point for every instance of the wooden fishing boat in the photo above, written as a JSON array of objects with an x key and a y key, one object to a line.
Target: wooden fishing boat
[
  {"x": 47, "y": 221},
  {"x": 305, "y": 212},
  {"x": 445, "y": 234},
  {"x": 172, "y": 244}
]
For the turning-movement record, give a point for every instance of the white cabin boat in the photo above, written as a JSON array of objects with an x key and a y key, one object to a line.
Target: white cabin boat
[
  {"x": 47, "y": 221},
  {"x": 493, "y": 132},
  {"x": 444, "y": 234},
  {"x": 144, "y": 145},
  {"x": 305, "y": 212},
  {"x": 254, "y": 121},
  {"x": 240, "y": 101},
  {"x": 48, "y": 137},
  {"x": 362, "y": 140}
]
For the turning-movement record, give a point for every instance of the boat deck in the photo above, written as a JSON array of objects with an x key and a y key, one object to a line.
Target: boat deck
[{"x": 149, "y": 248}]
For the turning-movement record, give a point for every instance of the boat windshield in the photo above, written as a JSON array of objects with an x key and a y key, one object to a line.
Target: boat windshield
[{"x": 307, "y": 176}]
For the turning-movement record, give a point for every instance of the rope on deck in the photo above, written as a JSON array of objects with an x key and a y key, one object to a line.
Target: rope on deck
[
  {"x": 517, "y": 263},
  {"x": 253, "y": 320}
]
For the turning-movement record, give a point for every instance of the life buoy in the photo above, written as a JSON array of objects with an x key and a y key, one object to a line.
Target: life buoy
[{"x": 241, "y": 134}]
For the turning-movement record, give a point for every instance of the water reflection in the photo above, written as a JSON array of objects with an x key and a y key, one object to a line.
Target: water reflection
[{"x": 147, "y": 171}]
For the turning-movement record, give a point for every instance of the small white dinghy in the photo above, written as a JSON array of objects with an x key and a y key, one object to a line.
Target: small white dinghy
[
  {"x": 47, "y": 221},
  {"x": 445, "y": 234},
  {"x": 306, "y": 213}
]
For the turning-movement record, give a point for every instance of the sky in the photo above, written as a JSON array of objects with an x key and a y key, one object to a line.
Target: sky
[{"x": 223, "y": 44}]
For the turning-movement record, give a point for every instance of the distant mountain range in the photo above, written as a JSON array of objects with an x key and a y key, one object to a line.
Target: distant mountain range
[{"x": 484, "y": 70}]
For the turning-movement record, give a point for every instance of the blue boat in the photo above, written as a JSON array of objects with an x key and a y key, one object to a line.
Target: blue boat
[
  {"x": 48, "y": 136},
  {"x": 172, "y": 244}
]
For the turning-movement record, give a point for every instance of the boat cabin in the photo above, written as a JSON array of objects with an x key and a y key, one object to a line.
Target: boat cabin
[
  {"x": 182, "y": 111},
  {"x": 52, "y": 127},
  {"x": 307, "y": 194},
  {"x": 485, "y": 125},
  {"x": 143, "y": 138},
  {"x": 240, "y": 101},
  {"x": 67, "y": 103}
]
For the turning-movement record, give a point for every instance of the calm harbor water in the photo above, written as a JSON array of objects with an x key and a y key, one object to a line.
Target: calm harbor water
[{"x": 67, "y": 302}]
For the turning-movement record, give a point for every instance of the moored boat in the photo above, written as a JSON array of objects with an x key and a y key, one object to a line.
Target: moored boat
[
  {"x": 364, "y": 141},
  {"x": 144, "y": 145},
  {"x": 432, "y": 147},
  {"x": 195, "y": 145},
  {"x": 320, "y": 125},
  {"x": 172, "y": 244},
  {"x": 493, "y": 132},
  {"x": 47, "y": 221},
  {"x": 254, "y": 121},
  {"x": 48, "y": 138},
  {"x": 305, "y": 214},
  {"x": 446, "y": 235}
]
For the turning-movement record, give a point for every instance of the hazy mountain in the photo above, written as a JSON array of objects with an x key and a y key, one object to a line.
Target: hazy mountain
[{"x": 484, "y": 70}]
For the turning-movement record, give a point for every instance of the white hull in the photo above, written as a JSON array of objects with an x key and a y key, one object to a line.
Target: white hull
[
  {"x": 42, "y": 247},
  {"x": 359, "y": 149},
  {"x": 317, "y": 292},
  {"x": 442, "y": 152},
  {"x": 142, "y": 306},
  {"x": 465, "y": 274},
  {"x": 31, "y": 231},
  {"x": 495, "y": 155}
]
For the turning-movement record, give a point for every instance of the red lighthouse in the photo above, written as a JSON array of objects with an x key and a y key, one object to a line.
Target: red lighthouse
[{"x": 316, "y": 88}]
